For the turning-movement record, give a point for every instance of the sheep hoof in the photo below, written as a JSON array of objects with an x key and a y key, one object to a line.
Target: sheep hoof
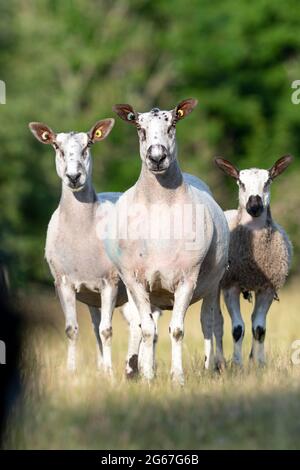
[
  {"x": 177, "y": 378},
  {"x": 236, "y": 364},
  {"x": 260, "y": 363},
  {"x": 147, "y": 379},
  {"x": 256, "y": 361},
  {"x": 220, "y": 365}
]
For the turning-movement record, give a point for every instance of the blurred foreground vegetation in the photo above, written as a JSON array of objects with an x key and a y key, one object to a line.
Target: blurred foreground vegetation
[{"x": 67, "y": 62}]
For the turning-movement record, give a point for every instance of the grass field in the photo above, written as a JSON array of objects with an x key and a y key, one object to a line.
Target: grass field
[{"x": 249, "y": 409}]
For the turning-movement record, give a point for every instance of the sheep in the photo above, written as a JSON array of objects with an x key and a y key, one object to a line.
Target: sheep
[
  {"x": 74, "y": 252},
  {"x": 260, "y": 254},
  {"x": 167, "y": 271}
]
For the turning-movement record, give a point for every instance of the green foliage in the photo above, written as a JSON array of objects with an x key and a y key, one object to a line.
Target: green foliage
[{"x": 66, "y": 63}]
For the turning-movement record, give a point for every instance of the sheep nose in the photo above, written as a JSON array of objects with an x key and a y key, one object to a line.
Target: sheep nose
[
  {"x": 255, "y": 206},
  {"x": 157, "y": 153},
  {"x": 73, "y": 177}
]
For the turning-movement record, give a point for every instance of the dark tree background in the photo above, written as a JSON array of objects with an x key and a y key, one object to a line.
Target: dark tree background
[{"x": 67, "y": 62}]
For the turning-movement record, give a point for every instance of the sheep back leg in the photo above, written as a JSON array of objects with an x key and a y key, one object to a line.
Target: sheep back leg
[
  {"x": 263, "y": 301},
  {"x": 218, "y": 332},
  {"x": 210, "y": 308},
  {"x": 132, "y": 317},
  {"x": 96, "y": 317},
  {"x": 232, "y": 301},
  {"x": 156, "y": 313}
]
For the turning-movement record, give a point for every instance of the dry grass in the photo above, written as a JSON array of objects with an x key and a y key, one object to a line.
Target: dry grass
[{"x": 251, "y": 409}]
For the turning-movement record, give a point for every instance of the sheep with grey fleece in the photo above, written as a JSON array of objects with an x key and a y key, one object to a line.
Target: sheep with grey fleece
[{"x": 260, "y": 253}]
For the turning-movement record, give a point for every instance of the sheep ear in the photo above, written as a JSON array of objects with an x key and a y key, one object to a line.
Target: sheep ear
[
  {"x": 184, "y": 108},
  {"x": 42, "y": 132},
  {"x": 227, "y": 167},
  {"x": 279, "y": 166},
  {"x": 101, "y": 130},
  {"x": 126, "y": 112}
]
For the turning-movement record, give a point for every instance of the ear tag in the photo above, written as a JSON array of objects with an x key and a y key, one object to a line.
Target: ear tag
[
  {"x": 98, "y": 133},
  {"x": 45, "y": 135},
  {"x": 180, "y": 113}
]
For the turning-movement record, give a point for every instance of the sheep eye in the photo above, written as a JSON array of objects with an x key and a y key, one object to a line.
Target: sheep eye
[
  {"x": 57, "y": 148},
  {"x": 171, "y": 128},
  {"x": 267, "y": 184},
  {"x": 84, "y": 152},
  {"x": 131, "y": 116},
  {"x": 62, "y": 153},
  {"x": 241, "y": 185}
]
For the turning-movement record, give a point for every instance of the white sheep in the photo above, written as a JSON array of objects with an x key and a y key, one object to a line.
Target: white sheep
[
  {"x": 171, "y": 271},
  {"x": 259, "y": 253},
  {"x": 74, "y": 252}
]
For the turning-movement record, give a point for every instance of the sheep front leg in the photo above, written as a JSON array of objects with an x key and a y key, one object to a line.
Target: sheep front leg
[
  {"x": 67, "y": 299},
  {"x": 263, "y": 301},
  {"x": 232, "y": 301},
  {"x": 96, "y": 317},
  {"x": 132, "y": 317},
  {"x": 108, "y": 302},
  {"x": 182, "y": 299},
  {"x": 156, "y": 313},
  {"x": 142, "y": 302}
]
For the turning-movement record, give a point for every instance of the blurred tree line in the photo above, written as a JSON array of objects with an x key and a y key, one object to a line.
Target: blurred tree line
[{"x": 67, "y": 62}]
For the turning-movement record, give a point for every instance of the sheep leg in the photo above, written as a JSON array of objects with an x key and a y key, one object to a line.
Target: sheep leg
[
  {"x": 96, "y": 317},
  {"x": 67, "y": 299},
  {"x": 142, "y": 302},
  {"x": 232, "y": 301},
  {"x": 108, "y": 302},
  {"x": 182, "y": 298},
  {"x": 135, "y": 354},
  {"x": 218, "y": 332},
  {"x": 156, "y": 313},
  {"x": 207, "y": 323},
  {"x": 132, "y": 317},
  {"x": 263, "y": 301}
]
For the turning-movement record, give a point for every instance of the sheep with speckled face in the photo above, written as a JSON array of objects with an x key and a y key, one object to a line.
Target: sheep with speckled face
[
  {"x": 75, "y": 254},
  {"x": 182, "y": 266},
  {"x": 260, "y": 253}
]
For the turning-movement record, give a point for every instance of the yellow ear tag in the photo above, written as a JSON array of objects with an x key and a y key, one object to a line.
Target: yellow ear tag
[
  {"x": 45, "y": 135},
  {"x": 180, "y": 113},
  {"x": 98, "y": 133}
]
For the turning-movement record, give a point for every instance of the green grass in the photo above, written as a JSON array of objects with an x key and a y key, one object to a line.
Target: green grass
[{"x": 249, "y": 409}]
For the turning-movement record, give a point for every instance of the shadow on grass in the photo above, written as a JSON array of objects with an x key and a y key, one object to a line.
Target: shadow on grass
[{"x": 185, "y": 421}]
